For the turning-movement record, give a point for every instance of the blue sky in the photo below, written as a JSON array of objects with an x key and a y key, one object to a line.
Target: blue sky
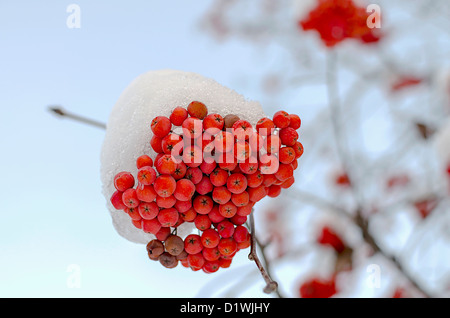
[{"x": 53, "y": 214}]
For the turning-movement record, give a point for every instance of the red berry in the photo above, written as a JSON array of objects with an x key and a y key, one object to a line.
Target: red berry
[
  {"x": 202, "y": 204},
  {"x": 288, "y": 136},
  {"x": 144, "y": 160},
  {"x": 298, "y": 148},
  {"x": 146, "y": 175},
  {"x": 268, "y": 164},
  {"x": 155, "y": 142},
  {"x": 227, "y": 161},
  {"x": 196, "y": 261},
  {"x": 161, "y": 126},
  {"x": 123, "y": 181},
  {"x": 272, "y": 144},
  {"x": 225, "y": 228},
  {"x": 287, "y": 183},
  {"x": 213, "y": 123},
  {"x": 227, "y": 246},
  {"x": 214, "y": 215},
  {"x": 151, "y": 226},
  {"x": 238, "y": 219},
  {"x": 285, "y": 171},
  {"x": 265, "y": 126},
  {"x": 184, "y": 190},
  {"x": 269, "y": 179},
  {"x": 249, "y": 166},
  {"x": 286, "y": 155},
  {"x": 242, "y": 151},
  {"x": 197, "y": 109},
  {"x": 189, "y": 215},
  {"x": 133, "y": 213},
  {"x": 218, "y": 177},
  {"x": 242, "y": 129},
  {"x": 228, "y": 209},
  {"x": 208, "y": 167},
  {"x": 148, "y": 210},
  {"x": 240, "y": 199},
  {"x": 256, "y": 194},
  {"x": 246, "y": 209},
  {"x": 130, "y": 198},
  {"x": 137, "y": 224},
  {"x": 180, "y": 170},
  {"x": 246, "y": 243},
  {"x": 211, "y": 253},
  {"x": 166, "y": 202},
  {"x": 224, "y": 141},
  {"x": 192, "y": 127},
  {"x": 273, "y": 191},
  {"x": 236, "y": 183},
  {"x": 165, "y": 185},
  {"x": 192, "y": 156},
  {"x": 224, "y": 262},
  {"x": 254, "y": 180},
  {"x": 221, "y": 195},
  {"x": 240, "y": 233},
  {"x": 116, "y": 200},
  {"x": 210, "y": 238},
  {"x": 281, "y": 119},
  {"x": 166, "y": 164},
  {"x": 178, "y": 115},
  {"x": 172, "y": 144},
  {"x": 163, "y": 233},
  {"x": 204, "y": 186},
  {"x": 168, "y": 217},
  {"x": 294, "y": 164},
  {"x": 211, "y": 266},
  {"x": 183, "y": 206},
  {"x": 294, "y": 121},
  {"x": 145, "y": 193},
  {"x": 194, "y": 174},
  {"x": 256, "y": 142},
  {"x": 193, "y": 244},
  {"x": 202, "y": 222}
]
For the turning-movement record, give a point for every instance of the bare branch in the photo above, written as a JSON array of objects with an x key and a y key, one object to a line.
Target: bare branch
[{"x": 63, "y": 113}]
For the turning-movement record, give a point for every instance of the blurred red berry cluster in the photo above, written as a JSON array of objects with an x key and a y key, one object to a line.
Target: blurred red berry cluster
[{"x": 337, "y": 20}]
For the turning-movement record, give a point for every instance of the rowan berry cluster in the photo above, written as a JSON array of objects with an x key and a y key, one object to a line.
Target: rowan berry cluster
[{"x": 209, "y": 170}]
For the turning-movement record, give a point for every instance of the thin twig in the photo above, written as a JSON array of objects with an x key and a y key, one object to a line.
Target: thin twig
[
  {"x": 63, "y": 113},
  {"x": 271, "y": 285}
]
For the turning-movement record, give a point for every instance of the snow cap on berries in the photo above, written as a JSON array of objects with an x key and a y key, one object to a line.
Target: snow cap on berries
[{"x": 157, "y": 93}]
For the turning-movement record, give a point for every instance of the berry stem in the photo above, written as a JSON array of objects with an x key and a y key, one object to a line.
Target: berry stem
[
  {"x": 63, "y": 113},
  {"x": 271, "y": 285}
]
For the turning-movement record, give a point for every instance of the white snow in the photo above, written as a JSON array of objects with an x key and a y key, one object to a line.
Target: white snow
[
  {"x": 301, "y": 8},
  {"x": 128, "y": 128}
]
